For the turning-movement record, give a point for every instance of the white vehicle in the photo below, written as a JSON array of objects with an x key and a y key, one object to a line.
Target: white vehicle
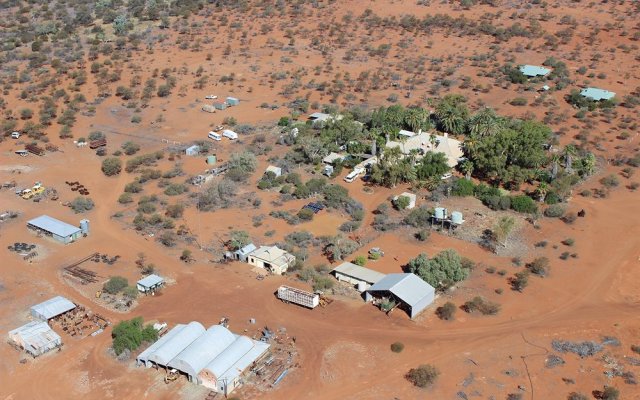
[
  {"x": 15, "y": 135},
  {"x": 353, "y": 175},
  {"x": 214, "y": 136},
  {"x": 229, "y": 134},
  {"x": 211, "y": 97},
  {"x": 446, "y": 176}
]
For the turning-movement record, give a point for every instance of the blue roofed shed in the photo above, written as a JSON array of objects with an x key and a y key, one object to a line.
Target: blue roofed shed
[
  {"x": 534, "y": 70},
  {"x": 597, "y": 94},
  {"x": 60, "y": 231},
  {"x": 410, "y": 290}
]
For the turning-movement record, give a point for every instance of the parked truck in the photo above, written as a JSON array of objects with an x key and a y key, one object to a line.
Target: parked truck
[{"x": 289, "y": 294}]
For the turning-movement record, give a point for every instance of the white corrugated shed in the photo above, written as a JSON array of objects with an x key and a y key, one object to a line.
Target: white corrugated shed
[
  {"x": 355, "y": 274},
  {"x": 172, "y": 347},
  {"x": 205, "y": 348},
  {"x": 215, "y": 358},
  {"x": 52, "y": 308},
  {"x": 36, "y": 338}
]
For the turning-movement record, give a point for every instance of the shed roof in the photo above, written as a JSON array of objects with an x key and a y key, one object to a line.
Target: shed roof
[
  {"x": 358, "y": 272},
  {"x": 54, "y": 226},
  {"x": 258, "y": 349},
  {"x": 229, "y": 355},
  {"x": 272, "y": 254},
  {"x": 195, "y": 147},
  {"x": 597, "y": 94},
  {"x": 150, "y": 281},
  {"x": 318, "y": 116},
  {"x": 52, "y": 307},
  {"x": 247, "y": 249},
  {"x": 333, "y": 157},
  {"x": 406, "y": 133},
  {"x": 534, "y": 70},
  {"x": 407, "y": 287},
  {"x": 36, "y": 335},
  {"x": 274, "y": 169},
  {"x": 205, "y": 348},
  {"x": 178, "y": 342},
  {"x": 411, "y": 196}
]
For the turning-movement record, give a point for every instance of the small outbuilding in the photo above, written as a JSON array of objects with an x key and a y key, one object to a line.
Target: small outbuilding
[
  {"x": 36, "y": 338},
  {"x": 52, "y": 308},
  {"x": 277, "y": 171},
  {"x": 531, "y": 71},
  {"x": 220, "y": 105},
  {"x": 242, "y": 253},
  {"x": 408, "y": 290},
  {"x": 363, "y": 278},
  {"x": 149, "y": 284},
  {"x": 271, "y": 258},
  {"x": 232, "y": 101},
  {"x": 60, "y": 231},
  {"x": 597, "y": 94},
  {"x": 412, "y": 199},
  {"x": 333, "y": 158},
  {"x": 192, "y": 150},
  {"x": 208, "y": 108}
]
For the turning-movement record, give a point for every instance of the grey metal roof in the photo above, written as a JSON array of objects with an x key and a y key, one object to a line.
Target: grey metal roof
[
  {"x": 319, "y": 116},
  {"x": 534, "y": 70},
  {"x": 204, "y": 349},
  {"x": 151, "y": 281},
  {"x": 407, "y": 287},
  {"x": 144, "y": 356},
  {"x": 172, "y": 347},
  {"x": 235, "y": 359},
  {"x": 358, "y": 272},
  {"x": 36, "y": 336},
  {"x": 597, "y": 94},
  {"x": 52, "y": 308},
  {"x": 54, "y": 226},
  {"x": 247, "y": 249}
]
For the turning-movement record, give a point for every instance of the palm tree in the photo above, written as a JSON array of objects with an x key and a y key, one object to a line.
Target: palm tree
[
  {"x": 467, "y": 169},
  {"x": 433, "y": 140},
  {"x": 415, "y": 118},
  {"x": 587, "y": 164},
  {"x": 452, "y": 114},
  {"x": 568, "y": 153},
  {"x": 484, "y": 123},
  {"x": 542, "y": 191}
]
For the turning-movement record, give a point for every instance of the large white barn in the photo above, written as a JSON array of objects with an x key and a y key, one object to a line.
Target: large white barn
[{"x": 215, "y": 357}]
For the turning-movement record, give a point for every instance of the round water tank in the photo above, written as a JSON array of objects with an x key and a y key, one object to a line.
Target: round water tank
[
  {"x": 440, "y": 213},
  {"x": 362, "y": 287},
  {"x": 456, "y": 217},
  {"x": 84, "y": 226}
]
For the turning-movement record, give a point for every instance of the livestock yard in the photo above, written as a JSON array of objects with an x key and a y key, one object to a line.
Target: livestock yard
[{"x": 319, "y": 199}]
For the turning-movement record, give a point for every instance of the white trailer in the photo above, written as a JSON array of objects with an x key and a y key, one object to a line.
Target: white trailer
[{"x": 289, "y": 294}]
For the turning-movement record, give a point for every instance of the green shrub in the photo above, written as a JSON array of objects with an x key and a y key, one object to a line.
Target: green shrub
[
  {"x": 523, "y": 204},
  {"x": 115, "y": 284},
  {"x": 423, "y": 235},
  {"x": 401, "y": 202},
  {"x": 111, "y": 166},
  {"x": 125, "y": 198},
  {"x": 447, "y": 311},
  {"x": 463, "y": 188},
  {"x": 360, "y": 260},
  {"x": 554, "y": 211},
  {"x": 305, "y": 214},
  {"x": 423, "y": 376},
  {"x": 610, "y": 181},
  {"x": 397, "y": 347},
  {"x": 539, "y": 266},
  {"x": 82, "y": 204},
  {"x": 482, "y": 305},
  {"x": 129, "y": 335}
]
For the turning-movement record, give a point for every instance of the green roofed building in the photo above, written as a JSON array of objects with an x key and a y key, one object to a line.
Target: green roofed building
[{"x": 597, "y": 94}]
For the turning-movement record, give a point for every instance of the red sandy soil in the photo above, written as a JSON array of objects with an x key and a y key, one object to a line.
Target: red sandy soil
[{"x": 344, "y": 348}]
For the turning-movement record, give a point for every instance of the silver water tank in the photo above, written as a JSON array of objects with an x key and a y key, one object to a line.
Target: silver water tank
[
  {"x": 84, "y": 226},
  {"x": 440, "y": 213},
  {"x": 362, "y": 286},
  {"x": 456, "y": 218}
]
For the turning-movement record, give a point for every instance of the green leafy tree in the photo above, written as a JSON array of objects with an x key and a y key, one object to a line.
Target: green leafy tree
[
  {"x": 432, "y": 165},
  {"x": 115, "y": 284},
  {"x": 239, "y": 239},
  {"x": 423, "y": 376},
  {"x": 442, "y": 271},
  {"x": 452, "y": 113}
]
